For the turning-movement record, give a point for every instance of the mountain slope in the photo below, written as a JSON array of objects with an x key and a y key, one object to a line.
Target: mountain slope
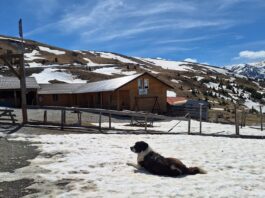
[
  {"x": 220, "y": 86},
  {"x": 250, "y": 70}
]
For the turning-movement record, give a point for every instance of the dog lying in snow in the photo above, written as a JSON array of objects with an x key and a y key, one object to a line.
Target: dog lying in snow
[{"x": 159, "y": 165}]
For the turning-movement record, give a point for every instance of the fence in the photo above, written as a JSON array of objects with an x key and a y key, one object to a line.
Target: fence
[{"x": 131, "y": 117}]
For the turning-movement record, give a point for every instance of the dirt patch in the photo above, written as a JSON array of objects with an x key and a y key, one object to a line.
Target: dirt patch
[
  {"x": 16, "y": 188},
  {"x": 15, "y": 154}
]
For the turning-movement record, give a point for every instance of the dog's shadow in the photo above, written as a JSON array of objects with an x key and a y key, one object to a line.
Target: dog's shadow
[{"x": 143, "y": 171}]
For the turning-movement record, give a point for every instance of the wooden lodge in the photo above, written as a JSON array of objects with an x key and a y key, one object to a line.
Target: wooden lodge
[
  {"x": 10, "y": 94},
  {"x": 140, "y": 92}
]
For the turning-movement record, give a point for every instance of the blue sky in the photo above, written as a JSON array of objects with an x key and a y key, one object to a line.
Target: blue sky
[{"x": 218, "y": 32}]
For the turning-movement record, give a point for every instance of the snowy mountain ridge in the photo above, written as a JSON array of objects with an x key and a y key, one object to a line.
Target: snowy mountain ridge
[{"x": 250, "y": 70}]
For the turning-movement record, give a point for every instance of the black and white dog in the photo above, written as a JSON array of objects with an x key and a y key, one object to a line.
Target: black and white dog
[{"x": 159, "y": 165}]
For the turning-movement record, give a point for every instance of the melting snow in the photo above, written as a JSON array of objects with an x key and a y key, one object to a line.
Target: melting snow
[
  {"x": 52, "y": 51},
  {"x": 116, "y": 57},
  {"x": 255, "y": 105},
  {"x": 199, "y": 78},
  {"x": 113, "y": 70},
  {"x": 33, "y": 55},
  {"x": 94, "y": 165},
  {"x": 54, "y": 74},
  {"x": 90, "y": 63},
  {"x": 173, "y": 65},
  {"x": 171, "y": 94},
  {"x": 176, "y": 81},
  {"x": 212, "y": 85}
]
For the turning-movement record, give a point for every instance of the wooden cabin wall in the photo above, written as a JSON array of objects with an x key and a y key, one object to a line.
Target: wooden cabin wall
[{"x": 156, "y": 88}]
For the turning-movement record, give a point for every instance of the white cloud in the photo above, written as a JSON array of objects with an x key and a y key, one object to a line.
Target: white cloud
[
  {"x": 193, "y": 60},
  {"x": 110, "y": 19},
  {"x": 252, "y": 54}
]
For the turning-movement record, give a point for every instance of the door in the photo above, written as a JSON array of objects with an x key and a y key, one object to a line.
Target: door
[{"x": 124, "y": 96}]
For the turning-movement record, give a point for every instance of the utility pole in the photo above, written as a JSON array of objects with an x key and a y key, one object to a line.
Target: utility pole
[{"x": 22, "y": 76}]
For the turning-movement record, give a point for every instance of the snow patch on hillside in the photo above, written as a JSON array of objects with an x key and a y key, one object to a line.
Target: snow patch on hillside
[
  {"x": 52, "y": 51},
  {"x": 32, "y": 55},
  {"x": 165, "y": 64},
  {"x": 115, "y": 57},
  {"x": 250, "y": 104},
  {"x": 113, "y": 70},
  {"x": 55, "y": 74},
  {"x": 216, "y": 69},
  {"x": 176, "y": 81},
  {"x": 90, "y": 63}
]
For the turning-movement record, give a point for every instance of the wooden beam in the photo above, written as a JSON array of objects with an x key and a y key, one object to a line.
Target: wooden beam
[{"x": 107, "y": 111}]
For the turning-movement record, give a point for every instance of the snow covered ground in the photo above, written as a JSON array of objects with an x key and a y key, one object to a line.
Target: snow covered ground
[
  {"x": 94, "y": 165},
  {"x": 113, "y": 70},
  {"x": 56, "y": 74},
  {"x": 52, "y": 51},
  {"x": 174, "y": 65},
  {"x": 250, "y": 104},
  {"x": 116, "y": 57}
]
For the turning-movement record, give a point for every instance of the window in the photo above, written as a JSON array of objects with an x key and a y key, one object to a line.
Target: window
[
  {"x": 143, "y": 86},
  {"x": 146, "y": 83},
  {"x": 140, "y": 83},
  {"x": 55, "y": 97}
]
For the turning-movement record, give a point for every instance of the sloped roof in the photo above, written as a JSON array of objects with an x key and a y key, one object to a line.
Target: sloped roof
[
  {"x": 60, "y": 88},
  {"x": 107, "y": 85},
  {"x": 99, "y": 86},
  {"x": 14, "y": 83}
]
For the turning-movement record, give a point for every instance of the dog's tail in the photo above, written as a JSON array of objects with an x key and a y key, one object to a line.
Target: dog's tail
[{"x": 196, "y": 170}]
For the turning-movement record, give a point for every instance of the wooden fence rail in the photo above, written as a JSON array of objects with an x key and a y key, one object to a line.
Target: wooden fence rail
[{"x": 131, "y": 114}]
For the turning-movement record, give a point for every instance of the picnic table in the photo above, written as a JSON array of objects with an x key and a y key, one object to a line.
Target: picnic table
[{"x": 7, "y": 114}]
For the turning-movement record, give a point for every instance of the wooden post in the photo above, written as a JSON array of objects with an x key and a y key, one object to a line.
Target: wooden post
[
  {"x": 131, "y": 120},
  {"x": 12, "y": 117},
  {"x": 261, "y": 118},
  {"x": 62, "y": 119},
  {"x": 45, "y": 117},
  {"x": 22, "y": 77},
  {"x": 189, "y": 123},
  {"x": 236, "y": 121},
  {"x": 243, "y": 118},
  {"x": 109, "y": 121},
  {"x": 201, "y": 118},
  {"x": 79, "y": 118},
  {"x": 99, "y": 122},
  {"x": 145, "y": 123}
]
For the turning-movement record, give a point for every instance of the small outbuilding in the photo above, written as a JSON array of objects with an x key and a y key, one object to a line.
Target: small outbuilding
[
  {"x": 10, "y": 94},
  {"x": 180, "y": 106},
  {"x": 142, "y": 92}
]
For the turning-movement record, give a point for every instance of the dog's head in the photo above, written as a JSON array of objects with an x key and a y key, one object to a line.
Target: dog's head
[{"x": 139, "y": 147}]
